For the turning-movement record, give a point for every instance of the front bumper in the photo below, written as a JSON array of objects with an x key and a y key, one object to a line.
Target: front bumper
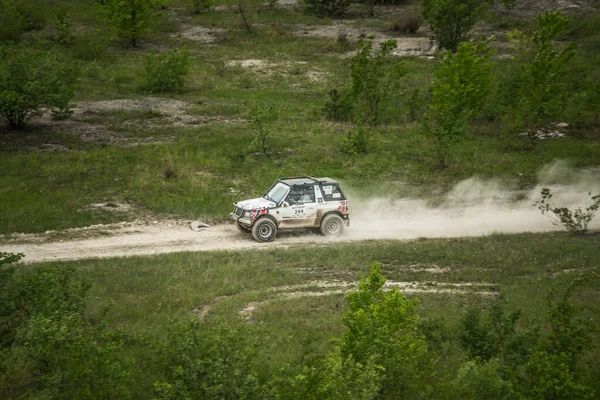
[{"x": 240, "y": 218}]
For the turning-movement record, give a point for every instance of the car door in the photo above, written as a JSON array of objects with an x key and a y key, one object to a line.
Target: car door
[{"x": 300, "y": 208}]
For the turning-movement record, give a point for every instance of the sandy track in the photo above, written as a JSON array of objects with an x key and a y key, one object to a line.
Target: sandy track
[{"x": 148, "y": 240}]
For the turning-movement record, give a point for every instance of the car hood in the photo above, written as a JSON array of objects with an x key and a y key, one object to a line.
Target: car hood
[{"x": 254, "y": 204}]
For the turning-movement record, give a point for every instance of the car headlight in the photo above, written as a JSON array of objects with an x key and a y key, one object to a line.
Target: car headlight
[{"x": 247, "y": 213}]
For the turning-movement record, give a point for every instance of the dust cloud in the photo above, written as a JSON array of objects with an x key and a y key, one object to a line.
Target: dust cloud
[{"x": 475, "y": 207}]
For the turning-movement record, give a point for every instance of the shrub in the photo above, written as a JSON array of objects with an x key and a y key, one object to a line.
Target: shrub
[
  {"x": 461, "y": 84},
  {"x": 408, "y": 22},
  {"x": 63, "y": 24},
  {"x": 327, "y": 8},
  {"x": 338, "y": 107},
  {"x": 199, "y": 6},
  {"x": 91, "y": 45},
  {"x": 165, "y": 71},
  {"x": 574, "y": 221},
  {"x": 31, "y": 80},
  {"x": 131, "y": 18},
  {"x": 373, "y": 75},
  {"x": 541, "y": 67},
  {"x": 383, "y": 325},
  {"x": 357, "y": 140},
  {"x": 261, "y": 119},
  {"x": 451, "y": 20}
]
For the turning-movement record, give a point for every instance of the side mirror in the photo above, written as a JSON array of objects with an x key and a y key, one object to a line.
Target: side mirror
[{"x": 286, "y": 204}]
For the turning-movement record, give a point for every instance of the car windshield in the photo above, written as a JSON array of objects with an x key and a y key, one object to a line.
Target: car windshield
[{"x": 277, "y": 192}]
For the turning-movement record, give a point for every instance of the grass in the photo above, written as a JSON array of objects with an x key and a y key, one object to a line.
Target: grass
[
  {"x": 151, "y": 292},
  {"x": 43, "y": 190}
]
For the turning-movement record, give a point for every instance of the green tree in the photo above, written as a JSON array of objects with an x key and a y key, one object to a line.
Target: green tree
[
  {"x": 383, "y": 325},
  {"x": 57, "y": 352},
  {"x": 541, "y": 67},
  {"x": 373, "y": 76},
  {"x": 261, "y": 119},
  {"x": 461, "y": 84},
  {"x": 131, "y": 18},
  {"x": 451, "y": 20},
  {"x": 32, "y": 81}
]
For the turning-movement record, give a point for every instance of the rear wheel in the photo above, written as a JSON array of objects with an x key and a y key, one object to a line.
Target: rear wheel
[
  {"x": 264, "y": 230},
  {"x": 242, "y": 228},
  {"x": 332, "y": 225}
]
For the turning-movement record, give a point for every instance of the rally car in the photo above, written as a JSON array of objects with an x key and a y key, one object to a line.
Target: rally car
[{"x": 299, "y": 202}]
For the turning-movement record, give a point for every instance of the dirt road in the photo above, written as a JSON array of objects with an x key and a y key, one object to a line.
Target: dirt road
[{"x": 141, "y": 239}]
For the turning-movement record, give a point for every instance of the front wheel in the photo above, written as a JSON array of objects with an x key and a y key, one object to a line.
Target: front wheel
[
  {"x": 242, "y": 228},
  {"x": 264, "y": 230},
  {"x": 332, "y": 225}
]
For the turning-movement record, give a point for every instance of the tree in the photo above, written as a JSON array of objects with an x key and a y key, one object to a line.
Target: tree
[
  {"x": 461, "y": 84},
  {"x": 541, "y": 66},
  {"x": 131, "y": 18},
  {"x": 451, "y": 20},
  {"x": 32, "y": 81},
  {"x": 261, "y": 118},
  {"x": 372, "y": 75},
  {"x": 383, "y": 325}
]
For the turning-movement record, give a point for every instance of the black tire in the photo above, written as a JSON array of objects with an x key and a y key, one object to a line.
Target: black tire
[
  {"x": 332, "y": 225},
  {"x": 242, "y": 228},
  {"x": 264, "y": 230}
]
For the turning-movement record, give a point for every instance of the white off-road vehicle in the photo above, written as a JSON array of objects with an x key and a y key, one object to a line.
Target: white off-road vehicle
[{"x": 301, "y": 202}]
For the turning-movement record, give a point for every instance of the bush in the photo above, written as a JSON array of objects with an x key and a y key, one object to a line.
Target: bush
[
  {"x": 31, "y": 80},
  {"x": 327, "y": 8},
  {"x": 338, "y": 107},
  {"x": 91, "y": 45},
  {"x": 460, "y": 87},
  {"x": 574, "y": 221},
  {"x": 451, "y": 20},
  {"x": 408, "y": 22},
  {"x": 200, "y": 6},
  {"x": 261, "y": 119},
  {"x": 165, "y": 71},
  {"x": 131, "y": 19},
  {"x": 357, "y": 140}
]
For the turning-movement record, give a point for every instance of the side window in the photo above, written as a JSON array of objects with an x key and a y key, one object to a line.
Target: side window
[
  {"x": 332, "y": 193},
  {"x": 301, "y": 194}
]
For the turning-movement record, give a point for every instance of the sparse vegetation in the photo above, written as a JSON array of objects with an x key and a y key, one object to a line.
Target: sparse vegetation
[
  {"x": 165, "y": 72},
  {"x": 575, "y": 221},
  {"x": 131, "y": 18},
  {"x": 31, "y": 82}
]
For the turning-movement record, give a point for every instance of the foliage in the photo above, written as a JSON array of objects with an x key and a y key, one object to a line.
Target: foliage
[
  {"x": 493, "y": 335},
  {"x": 131, "y": 18},
  {"x": 339, "y": 106},
  {"x": 460, "y": 86},
  {"x": 481, "y": 381},
  {"x": 63, "y": 23},
  {"x": 357, "y": 140},
  {"x": 408, "y": 22},
  {"x": 451, "y": 20},
  {"x": 56, "y": 352},
  {"x": 337, "y": 378},
  {"x": 383, "y": 325},
  {"x": 9, "y": 307},
  {"x": 261, "y": 119},
  {"x": 219, "y": 364},
  {"x": 32, "y": 81},
  {"x": 541, "y": 67},
  {"x": 373, "y": 75},
  {"x": 165, "y": 72},
  {"x": 574, "y": 221},
  {"x": 200, "y": 6},
  {"x": 553, "y": 370},
  {"x": 326, "y": 8}
]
